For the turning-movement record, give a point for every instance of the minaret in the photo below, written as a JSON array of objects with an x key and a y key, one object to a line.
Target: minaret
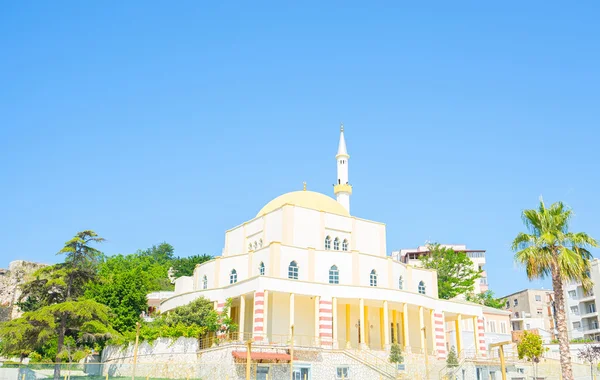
[{"x": 342, "y": 189}]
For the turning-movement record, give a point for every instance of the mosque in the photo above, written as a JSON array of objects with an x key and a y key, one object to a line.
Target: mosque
[{"x": 305, "y": 261}]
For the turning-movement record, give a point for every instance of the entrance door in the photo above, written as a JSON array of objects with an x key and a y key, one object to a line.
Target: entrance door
[
  {"x": 262, "y": 373},
  {"x": 301, "y": 373}
]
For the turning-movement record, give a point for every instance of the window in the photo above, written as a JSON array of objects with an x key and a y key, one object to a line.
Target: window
[
  {"x": 400, "y": 283},
  {"x": 255, "y": 245},
  {"x": 576, "y": 325},
  {"x": 233, "y": 276},
  {"x": 204, "y": 283},
  {"x": 503, "y": 327},
  {"x": 334, "y": 275},
  {"x": 538, "y": 298},
  {"x": 528, "y": 326},
  {"x": 336, "y": 244},
  {"x": 342, "y": 373},
  {"x": 293, "y": 271},
  {"x": 345, "y": 245},
  {"x": 373, "y": 278},
  {"x": 493, "y": 326},
  {"x": 260, "y": 243},
  {"x": 515, "y": 302},
  {"x": 421, "y": 287},
  {"x": 591, "y": 308},
  {"x": 327, "y": 243},
  {"x": 250, "y": 247},
  {"x": 575, "y": 310},
  {"x": 539, "y": 312},
  {"x": 507, "y": 304},
  {"x": 261, "y": 269},
  {"x": 572, "y": 293}
]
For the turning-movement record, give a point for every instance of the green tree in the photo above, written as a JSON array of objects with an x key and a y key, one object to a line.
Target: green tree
[
  {"x": 531, "y": 348},
  {"x": 86, "y": 324},
  {"x": 123, "y": 283},
  {"x": 452, "y": 359},
  {"x": 486, "y": 298},
  {"x": 455, "y": 271},
  {"x": 164, "y": 253},
  {"x": 184, "y": 266},
  {"x": 396, "y": 354},
  {"x": 550, "y": 249}
]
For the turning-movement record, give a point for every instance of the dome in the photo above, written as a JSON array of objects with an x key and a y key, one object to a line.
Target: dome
[{"x": 306, "y": 199}]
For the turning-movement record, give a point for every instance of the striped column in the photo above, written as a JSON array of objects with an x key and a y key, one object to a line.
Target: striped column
[
  {"x": 481, "y": 334},
  {"x": 440, "y": 334},
  {"x": 326, "y": 322},
  {"x": 219, "y": 306},
  {"x": 258, "y": 330}
]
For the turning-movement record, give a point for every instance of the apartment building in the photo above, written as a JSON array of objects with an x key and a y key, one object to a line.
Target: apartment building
[
  {"x": 412, "y": 256},
  {"x": 532, "y": 309},
  {"x": 582, "y": 307}
]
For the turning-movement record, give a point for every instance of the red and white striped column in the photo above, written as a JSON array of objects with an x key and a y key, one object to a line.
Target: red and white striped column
[
  {"x": 440, "y": 334},
  {"x": 219, "y": 306},
  {"x": 326, "y": 322},
  {"x": 481, "y": 338},
  {"x": 259, "y": 317}
]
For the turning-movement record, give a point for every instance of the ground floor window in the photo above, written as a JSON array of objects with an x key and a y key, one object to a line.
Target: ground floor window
[{"x": 342, "y": 372}]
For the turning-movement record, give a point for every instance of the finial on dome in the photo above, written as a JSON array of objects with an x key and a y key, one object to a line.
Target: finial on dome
[
  {"x": 341, "y": 127},
  {"x": 304, "y": 183}
]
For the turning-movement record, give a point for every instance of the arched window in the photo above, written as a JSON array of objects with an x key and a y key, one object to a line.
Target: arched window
[
  {"x": 345, "y": 245},
  {"x": 400, "y": 283},
  {"x": 250, "y": 247},
  {"x": 260, "y": 243},
  {"x": 421, "y": 287},
  {"x": 293, "y": 271},
  {"x": 334, "y": 275},
  {"x": 255, "y": 245},
  {"x": 261, "y": 269},
  {"x": 327, "y": 243},
  {"x": 233, "y": 276},
  {"x": 373, "y": 278},
  {"x": 336, "y": 244},
  {"x": 204, "y": 283}
]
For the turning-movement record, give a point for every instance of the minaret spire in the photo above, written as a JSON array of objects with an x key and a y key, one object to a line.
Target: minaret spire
[{"x": 342, "y": 188}]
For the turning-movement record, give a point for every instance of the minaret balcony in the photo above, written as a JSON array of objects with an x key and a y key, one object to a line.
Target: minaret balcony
[{"x": 342, "y": 188}]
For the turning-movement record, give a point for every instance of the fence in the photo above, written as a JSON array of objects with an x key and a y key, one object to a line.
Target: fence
[{"x": 206, "y": 371}]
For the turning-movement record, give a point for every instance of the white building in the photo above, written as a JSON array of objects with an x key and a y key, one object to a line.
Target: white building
[
  {"x": 582, "y": 307},
  {"x": 412, "y": 256},
  {"x": 305, "y": 261}
]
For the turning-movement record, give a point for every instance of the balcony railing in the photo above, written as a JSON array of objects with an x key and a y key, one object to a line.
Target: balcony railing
[{"x": 476, "y": 255}]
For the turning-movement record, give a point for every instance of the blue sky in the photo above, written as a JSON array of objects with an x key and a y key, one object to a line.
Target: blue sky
[{"x": 150, "y": 122}]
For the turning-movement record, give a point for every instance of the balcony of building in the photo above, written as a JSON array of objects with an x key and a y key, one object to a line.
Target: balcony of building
[
  {"x": 593, "y": 327},
  {"x": 519, "y": 316},
  {"x": 587, "y": 297},
  {"x": 589, "y": 311}
]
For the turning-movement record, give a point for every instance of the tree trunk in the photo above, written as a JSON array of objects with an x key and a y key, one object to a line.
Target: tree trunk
[
  {"x": 59, "y": 346},
  {"x": 561, "y": 324}
]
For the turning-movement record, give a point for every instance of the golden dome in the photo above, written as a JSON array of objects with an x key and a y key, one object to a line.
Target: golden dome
[{"x": 306, "y": 199}]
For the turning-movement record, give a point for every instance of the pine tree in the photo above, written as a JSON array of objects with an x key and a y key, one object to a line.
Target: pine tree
[
  {"x": 452, "y": 359},
  {"x": 396, "y": 354}
]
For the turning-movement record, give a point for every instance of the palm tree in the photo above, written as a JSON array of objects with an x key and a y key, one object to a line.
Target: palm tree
[{"x": 549, "y": 249}]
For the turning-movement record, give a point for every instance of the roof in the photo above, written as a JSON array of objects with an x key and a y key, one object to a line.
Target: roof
[
  {"x": 307, "y": 199},
  {"x": 342, "y": 151},
  {"x": 262, "y": 356},
  {"x": 527, "y": 290}
]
